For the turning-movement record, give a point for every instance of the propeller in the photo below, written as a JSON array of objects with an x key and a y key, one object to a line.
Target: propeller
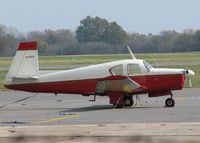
[
  {"x": 190, "y": 82},
  {"x": 188, "y": 75}
]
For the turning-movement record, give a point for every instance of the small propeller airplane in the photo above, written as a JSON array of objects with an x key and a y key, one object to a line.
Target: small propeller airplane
[{"x": 119, "y": 80}]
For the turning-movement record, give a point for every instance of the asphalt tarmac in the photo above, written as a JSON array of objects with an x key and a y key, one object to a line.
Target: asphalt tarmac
[{"x": 21, "y": 108}]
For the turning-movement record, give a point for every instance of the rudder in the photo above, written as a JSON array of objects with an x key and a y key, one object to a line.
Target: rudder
[{"x": 25, "y": 62}]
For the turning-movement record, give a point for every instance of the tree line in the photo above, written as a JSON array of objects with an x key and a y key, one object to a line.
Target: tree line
[{"x": 99, "y": 36}]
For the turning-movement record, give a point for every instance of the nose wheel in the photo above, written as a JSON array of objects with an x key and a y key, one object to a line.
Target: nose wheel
[{"x": 169, "y": 102}]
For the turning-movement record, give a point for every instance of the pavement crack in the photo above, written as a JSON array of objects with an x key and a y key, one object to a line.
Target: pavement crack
[{"x": 23, "y": 99}]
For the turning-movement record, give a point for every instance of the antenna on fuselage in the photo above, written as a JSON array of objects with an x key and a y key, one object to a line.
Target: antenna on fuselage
[{"x": 132, "y": 55}]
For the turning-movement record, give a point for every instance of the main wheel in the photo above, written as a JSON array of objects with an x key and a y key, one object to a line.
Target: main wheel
[
  {"x": 128, "y": 101},
  {"x": 169, "y": 102}
]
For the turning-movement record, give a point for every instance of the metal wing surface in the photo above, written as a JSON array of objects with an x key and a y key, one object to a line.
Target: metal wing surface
[{"x": 117, "y": 84}]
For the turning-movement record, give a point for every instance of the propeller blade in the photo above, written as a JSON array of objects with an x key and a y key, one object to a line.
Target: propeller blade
[{"x": 190, "y": 82}]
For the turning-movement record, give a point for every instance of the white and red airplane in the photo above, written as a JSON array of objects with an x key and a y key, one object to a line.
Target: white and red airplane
[{"x": 119, "y": 80}]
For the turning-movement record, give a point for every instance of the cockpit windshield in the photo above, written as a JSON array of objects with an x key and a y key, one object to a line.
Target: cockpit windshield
[{"x": 147, "y": 66}]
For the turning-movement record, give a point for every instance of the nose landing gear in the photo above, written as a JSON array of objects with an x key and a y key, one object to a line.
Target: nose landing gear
[{"x": 169, "y": 102}]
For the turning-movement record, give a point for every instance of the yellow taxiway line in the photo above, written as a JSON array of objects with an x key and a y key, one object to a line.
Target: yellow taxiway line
[{"x": 57, "y": 119}]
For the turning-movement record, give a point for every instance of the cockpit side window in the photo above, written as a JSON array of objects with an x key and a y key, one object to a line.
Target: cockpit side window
[
  {"x": 117, "y": 70},
  {"x": 134, "y": 69},
  {"x": 147, "y": 66}
]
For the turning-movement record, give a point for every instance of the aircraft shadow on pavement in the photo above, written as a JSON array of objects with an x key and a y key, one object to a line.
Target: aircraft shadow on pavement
[
  {"x": 107, "y": 107},
  {"x": 89, "y": 108}
]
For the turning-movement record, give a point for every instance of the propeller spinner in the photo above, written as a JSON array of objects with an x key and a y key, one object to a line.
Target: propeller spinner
[{"x": 188, "y": 75}]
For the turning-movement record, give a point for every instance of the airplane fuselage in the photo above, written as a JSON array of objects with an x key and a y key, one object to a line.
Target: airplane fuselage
[
  {"x": 119, "y": 80},
  {"x": 84, "y": 80}
]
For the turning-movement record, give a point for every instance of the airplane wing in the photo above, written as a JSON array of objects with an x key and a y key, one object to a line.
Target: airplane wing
[{"x": 118, "y": 83}]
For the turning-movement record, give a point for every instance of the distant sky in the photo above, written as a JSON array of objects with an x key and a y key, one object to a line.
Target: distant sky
[{"x": 142, "y": 16}]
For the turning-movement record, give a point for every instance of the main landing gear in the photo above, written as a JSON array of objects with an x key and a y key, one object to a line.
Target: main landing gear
[
  {"x": 169, "y": 102},
  {"x": 126, "y": 102}
]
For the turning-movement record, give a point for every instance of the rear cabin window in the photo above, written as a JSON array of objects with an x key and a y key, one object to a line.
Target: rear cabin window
[
  {"x": 117, "y": 70},
  {"x": 134, "y": 69}
]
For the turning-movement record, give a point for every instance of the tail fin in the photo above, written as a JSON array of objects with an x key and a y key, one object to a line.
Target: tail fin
[{"x": 25, "y": 62}]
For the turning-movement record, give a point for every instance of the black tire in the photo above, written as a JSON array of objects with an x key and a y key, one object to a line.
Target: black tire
[
  {"x": 169, "y": 102},
  {"x": 128, "y": 101}
]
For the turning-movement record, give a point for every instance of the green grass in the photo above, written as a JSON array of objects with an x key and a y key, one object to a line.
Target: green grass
[
  {"x": 93, "y": 59},
  {"x": 170, "y": 58},
  {"x": 2, "y": 76}
]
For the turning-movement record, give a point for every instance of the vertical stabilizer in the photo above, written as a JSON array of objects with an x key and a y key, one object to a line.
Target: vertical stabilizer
[{"x": 25, "y": 62}]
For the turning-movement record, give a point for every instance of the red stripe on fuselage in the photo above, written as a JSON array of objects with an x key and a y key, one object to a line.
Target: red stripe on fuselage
[
  {"x": 161, "y": 82},
  {"x": 23, "y": 46},
  {"x": 151, "y": 82},
  {"x": 76, "y": 87}
]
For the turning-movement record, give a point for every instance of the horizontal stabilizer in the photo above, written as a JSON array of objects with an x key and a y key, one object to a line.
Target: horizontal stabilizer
[{"x": 26, "y": 78}]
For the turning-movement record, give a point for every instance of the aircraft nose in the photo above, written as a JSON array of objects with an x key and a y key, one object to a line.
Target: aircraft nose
[
  {"x": 189, "y": 73},
  {"x": 188, "y": 76}
]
